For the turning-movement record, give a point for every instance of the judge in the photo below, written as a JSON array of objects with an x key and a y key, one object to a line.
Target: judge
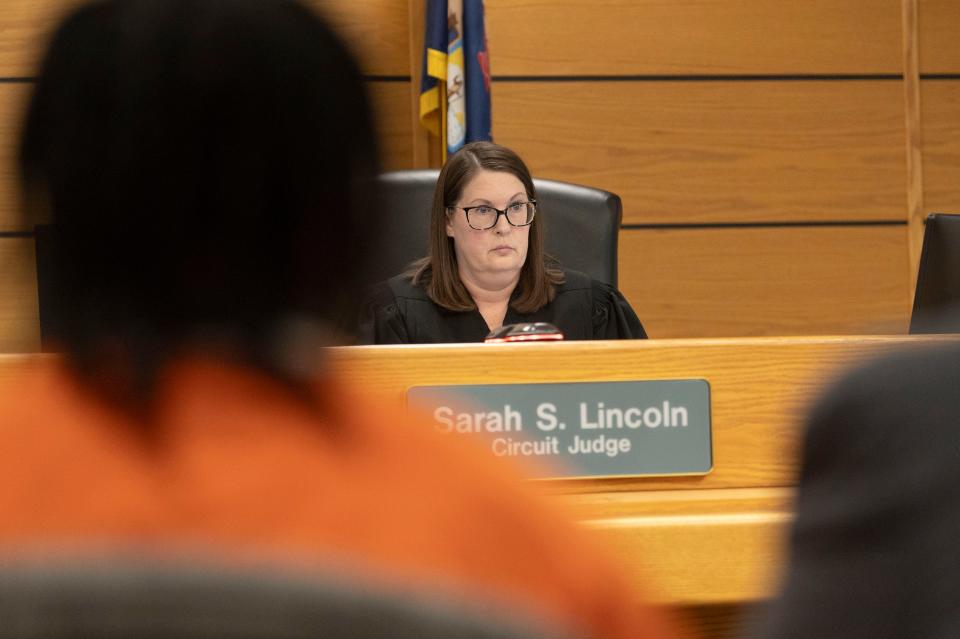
[{"x": 487, "y": 267}]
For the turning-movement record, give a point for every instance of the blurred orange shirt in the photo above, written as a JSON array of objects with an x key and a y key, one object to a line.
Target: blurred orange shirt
[{"x": 233, "y": 461}]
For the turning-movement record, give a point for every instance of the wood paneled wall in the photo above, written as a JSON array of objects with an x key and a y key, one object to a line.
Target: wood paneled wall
[
  {"x": 760, "y": 147},
  {"x": 378, "y": 30},
  {"x": 939, "y": 24}
]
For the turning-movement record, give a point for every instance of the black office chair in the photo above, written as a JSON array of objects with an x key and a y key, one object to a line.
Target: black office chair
[
  {"x": 55, "y": 600},
  {"x": 936, "y": 302},
  {"x": 582, "y": 223}
]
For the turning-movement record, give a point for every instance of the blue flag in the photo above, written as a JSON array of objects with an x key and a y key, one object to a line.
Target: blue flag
[{"x": 455, "y": 85}]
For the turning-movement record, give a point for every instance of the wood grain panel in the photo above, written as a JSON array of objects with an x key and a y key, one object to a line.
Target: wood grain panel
[
  {"x": 376, "y": 29},
  {"x": 719, "y": 621},
  {"x": 12, "y": 98},
  {"x": 940, "y": 102},
  {"x": 767, "y": 281},
  {"x": 717, "y": 151},
  {"x": 391, "y": 103},
  {"x": 760, "y": 389},
  {"x": 19, "y": 313},
  {"x": 701, "y": 546},
  {"x": 624, "y": 37},
  {"x": 939, "y": 44}
]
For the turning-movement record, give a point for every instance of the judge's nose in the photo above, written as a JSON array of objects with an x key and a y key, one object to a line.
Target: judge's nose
[{"x": 502, "y": 226}]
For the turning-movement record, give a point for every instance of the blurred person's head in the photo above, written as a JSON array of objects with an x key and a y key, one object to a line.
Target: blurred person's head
[
  {"x": 485, "y": 225},
  {"x": 206, "y": 166}
]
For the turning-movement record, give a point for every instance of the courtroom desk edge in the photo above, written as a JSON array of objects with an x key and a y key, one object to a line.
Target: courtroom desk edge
[{"x": 671, "y": 342}]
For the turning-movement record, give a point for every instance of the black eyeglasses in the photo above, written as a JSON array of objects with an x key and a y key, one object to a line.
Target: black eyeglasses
[{"x": 485, "y": 217}]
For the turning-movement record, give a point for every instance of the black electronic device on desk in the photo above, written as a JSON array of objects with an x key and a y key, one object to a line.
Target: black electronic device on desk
[{"x": 525, "y": 332}]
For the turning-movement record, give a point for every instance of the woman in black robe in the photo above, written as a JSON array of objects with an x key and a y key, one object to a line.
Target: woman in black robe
[{"x": 487, "y": 267}]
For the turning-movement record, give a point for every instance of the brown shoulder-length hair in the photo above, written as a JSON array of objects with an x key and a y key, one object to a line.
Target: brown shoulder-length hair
[{"x": 438, "y": 274}]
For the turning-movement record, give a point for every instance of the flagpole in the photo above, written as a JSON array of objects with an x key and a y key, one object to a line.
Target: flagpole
[{"x": 443, "y": 122}]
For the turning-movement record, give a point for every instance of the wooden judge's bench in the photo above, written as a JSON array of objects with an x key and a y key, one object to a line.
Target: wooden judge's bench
[{"x": 711, "y": 547}]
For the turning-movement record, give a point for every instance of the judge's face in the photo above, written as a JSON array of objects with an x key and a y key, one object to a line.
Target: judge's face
[{"x": 495, "y": 254}]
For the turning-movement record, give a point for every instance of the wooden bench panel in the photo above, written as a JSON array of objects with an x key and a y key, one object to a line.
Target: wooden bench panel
[
  {"x": 19, "y": 313},
  {"x": 702, "y": 547},
  {"x": 717, "y": 151},
  {"x": 940, "y": 104},
  {"x": 685, "y": 540},
  {"x": 377, "y": 30},
  {"x": 627, "y": 37},
  {"x": 760, "y": 388},
  {"x": 767, "y": 281}
]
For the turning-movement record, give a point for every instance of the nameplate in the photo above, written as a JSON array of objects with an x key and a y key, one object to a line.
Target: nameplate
[{"x": 582, "y": 429}]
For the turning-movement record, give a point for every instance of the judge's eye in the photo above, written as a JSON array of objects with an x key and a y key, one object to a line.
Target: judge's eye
[
  {"x": 516, "y": 207},
  {"x": 484, "y": 210}
]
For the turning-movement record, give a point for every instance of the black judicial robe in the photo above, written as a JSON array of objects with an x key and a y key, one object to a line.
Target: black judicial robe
[{"x": 397, "y": 312}]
